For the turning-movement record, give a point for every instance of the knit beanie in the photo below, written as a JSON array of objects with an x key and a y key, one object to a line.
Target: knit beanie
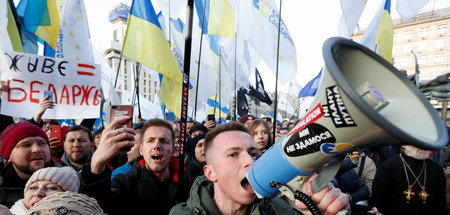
[
  {"x": 66, "y": 203},
  {"x": 16, "y": 132},
  {"x": 193, "y": 143},
  {"x": 65, "y": 177},
  {"x": 246, "y": 118}
]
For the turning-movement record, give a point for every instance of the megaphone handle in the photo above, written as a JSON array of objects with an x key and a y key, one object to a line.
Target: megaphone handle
[{"x": 312, "y": 207}]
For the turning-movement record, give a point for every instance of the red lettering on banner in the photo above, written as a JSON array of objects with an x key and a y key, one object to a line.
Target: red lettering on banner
[
  {"x": 52, "y": 88},
  {"x": 75, "y": 94},
  {"x": 66, "y": 92},
  {"x": 86, "y": 92},
  {"x": 312, "y": 116},
  {"x": 34, "y": 91},
  {"x": 15, "y": 88},
  {"x": 96, "y": 100}
]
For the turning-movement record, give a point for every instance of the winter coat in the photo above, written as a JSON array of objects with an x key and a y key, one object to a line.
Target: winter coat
[
  {"x": 133, "y": 192},
  {"x": 19, "y": 208},
  {"x": 12, "y": 186},
  {"x": 201, "y": 202}
]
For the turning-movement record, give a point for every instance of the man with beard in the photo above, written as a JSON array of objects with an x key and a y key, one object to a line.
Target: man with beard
[
  {"x": 25, "y": 149},
  {"x": 224, "y": 189},
  {"x": 150, "y": 185},
  {"x": 78, "y": 145},
  {"x": 409, "y": 183}
]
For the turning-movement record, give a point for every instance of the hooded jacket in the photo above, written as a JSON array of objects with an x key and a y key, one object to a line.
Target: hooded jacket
[{"x": 201, "y": 202}]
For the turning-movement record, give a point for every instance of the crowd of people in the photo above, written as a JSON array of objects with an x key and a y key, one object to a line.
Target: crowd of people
[{"x": 121, "y": 170}]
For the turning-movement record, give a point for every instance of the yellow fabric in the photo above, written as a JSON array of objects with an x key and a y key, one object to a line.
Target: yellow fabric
[
  {"x": 50, "y": 33},
  {"x": 171, "y": 95},
  {"x": 146, "y": 44},
  {"x": 385, "y": 37},
  {"x": 13, "y": 32},
  {"x": 221, "y": 18}
]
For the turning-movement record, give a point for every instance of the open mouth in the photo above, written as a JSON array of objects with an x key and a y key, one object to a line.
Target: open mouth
[
  {"x": 246, "y": 185},
  {"x": 157, "y": 157}
]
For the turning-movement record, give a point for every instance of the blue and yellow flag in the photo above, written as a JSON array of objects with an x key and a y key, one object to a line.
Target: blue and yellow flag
[
  {"x": 41, "y": 17},
  {"x": 219, "y": 17},
  {"x": 379, "y": 36},
  {"x": 13, "y": 27},
  {"x": 145, "y": 41}
]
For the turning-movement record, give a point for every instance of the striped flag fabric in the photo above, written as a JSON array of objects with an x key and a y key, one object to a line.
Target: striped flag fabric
[
  {"x": 379, "y": 35},
  {"x": 145, "y": 43}
]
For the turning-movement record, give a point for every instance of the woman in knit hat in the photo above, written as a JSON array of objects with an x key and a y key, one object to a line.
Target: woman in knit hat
[
  {"x": 67, "y": 203},
  {"x": 45, "y": 182}
]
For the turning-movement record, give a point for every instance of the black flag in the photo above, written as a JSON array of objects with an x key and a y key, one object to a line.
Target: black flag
[
  {"x": 259, "y": 91},
  {"x": 242, "y": 104}
]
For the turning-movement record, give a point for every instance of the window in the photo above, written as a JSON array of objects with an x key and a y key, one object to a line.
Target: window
[
  {"x": 441, "y": 29},
  {"x": 406, "y": 48},
  {"x": 408, "y": 35},
  {"x": 405, "y": 62},
  {"x": 439, "y": 44},
  {"x": 423, "y": 46},
  {"x": 424, "y": 32},
  {"x": 422, "y": 60},
  {"x": 438, "y": 58},
  {"x": 115, "y": 36}
]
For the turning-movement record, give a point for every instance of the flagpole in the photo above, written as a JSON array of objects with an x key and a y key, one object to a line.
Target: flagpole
[
  {"x": 118, "y": 70},
  {"x": 235, "y": 76},
  {"x": 185, "y": 90},
  {"x": 138, "y": 71},
  {"x": 199, "y": 61},
  {"x": 276, "y": 77}
]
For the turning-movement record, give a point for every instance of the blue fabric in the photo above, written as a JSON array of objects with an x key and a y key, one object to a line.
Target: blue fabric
[
  {"x": 144, "y": 10},
  {"x": 311, "y": 87},
  {"x": 121, "y": 169}
]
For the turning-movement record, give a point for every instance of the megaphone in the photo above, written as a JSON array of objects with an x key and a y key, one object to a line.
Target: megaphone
[{"x": 362, "y": 100}]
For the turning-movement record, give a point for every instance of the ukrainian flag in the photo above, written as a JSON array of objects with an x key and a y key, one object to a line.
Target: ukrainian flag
[
  {"x": 219, "y": 113},
  {"x": 41, "y": 17},
  {"x": 145, "y": 41},
  {"x": 220, "y": 18},
  {"x": 379, "y": 36}
]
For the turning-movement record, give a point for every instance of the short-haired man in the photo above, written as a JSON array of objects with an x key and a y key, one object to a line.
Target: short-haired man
[
  {"x": 149, "y": 186},
  {"x": 78, "y": 145},
  {"x": 230, "y": 151},
  {"x": 25, "y": 149},
  {"x": 197, "y": 129}
]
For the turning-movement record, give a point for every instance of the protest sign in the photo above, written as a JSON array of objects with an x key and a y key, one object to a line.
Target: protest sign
[{"x": 76, "y": 86}]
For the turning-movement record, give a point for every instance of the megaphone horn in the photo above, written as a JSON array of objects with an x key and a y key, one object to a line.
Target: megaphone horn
[{"x": 362, "y": 100}]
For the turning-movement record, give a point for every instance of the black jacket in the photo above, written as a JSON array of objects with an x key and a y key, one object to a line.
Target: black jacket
[
  {"x": 135, "y": 192},
  {"x": 12, "y": 186}
]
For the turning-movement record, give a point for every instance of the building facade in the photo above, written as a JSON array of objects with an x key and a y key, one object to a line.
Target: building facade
[{"x": 425, "y": 37}]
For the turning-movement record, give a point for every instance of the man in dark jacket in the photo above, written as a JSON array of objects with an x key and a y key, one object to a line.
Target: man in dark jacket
[
  {"x": 230, "y": 151},
  {"x": 149, "y": 186},
  {"x": 24, "y": 149}
]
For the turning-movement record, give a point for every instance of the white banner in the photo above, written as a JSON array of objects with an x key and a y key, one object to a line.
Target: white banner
[{"x": 76, "y": 86}]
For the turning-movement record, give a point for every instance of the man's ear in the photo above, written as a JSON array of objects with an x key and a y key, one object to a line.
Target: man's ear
[{"x": 210, "y": 173}]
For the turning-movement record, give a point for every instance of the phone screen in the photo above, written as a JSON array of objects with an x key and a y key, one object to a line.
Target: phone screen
[
  {"x": 48, "y": 93},
  {"x": 211, "y": 117},
  {"x": 170, "y": 116}
]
